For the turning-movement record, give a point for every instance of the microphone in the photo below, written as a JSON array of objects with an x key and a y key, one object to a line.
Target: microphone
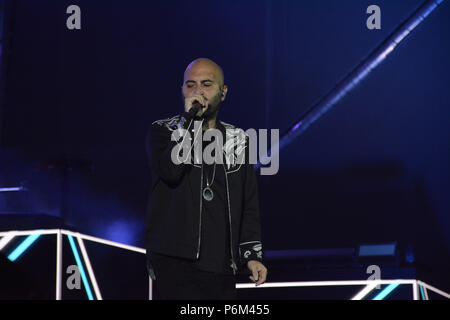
[{"x": 196, "y": 106}]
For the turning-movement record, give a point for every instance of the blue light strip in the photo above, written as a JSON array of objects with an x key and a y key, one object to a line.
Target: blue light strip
[
  {"x": 21, "y": 248},
  {"x": 80, "y": 267},
  {"x": 422, "y": 293},
  {"x": 386, "y": 291}
]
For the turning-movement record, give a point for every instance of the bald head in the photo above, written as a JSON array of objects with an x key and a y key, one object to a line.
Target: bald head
[
  {"x": 204, "y": 78},
  {"x": 206, "y": 67}
]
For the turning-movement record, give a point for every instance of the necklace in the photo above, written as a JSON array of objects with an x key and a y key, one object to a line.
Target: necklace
[{"x": 208, "y": 194}]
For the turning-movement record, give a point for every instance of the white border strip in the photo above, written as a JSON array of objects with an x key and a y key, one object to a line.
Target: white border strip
[
  {"x": 150, "y": 288},
  {"x": 58, "y": 265},
  {"x": 74, "y": 234},
  {"x": 8, "y": 235},
  {"x": 87, "y": 262},
  {"x": 364, "y": 292},
  {"x": 415, "y": 288},
  {"x": 427, "y": 286},
  {"x": 29, "y": 232},
  {"x": 100, "y": 240},
  {"x": 321, "y": 283},
  {"x": 6, "y": 239}
]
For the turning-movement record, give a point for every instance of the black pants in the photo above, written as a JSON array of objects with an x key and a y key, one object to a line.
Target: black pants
[{"x": 180, "y": 279}]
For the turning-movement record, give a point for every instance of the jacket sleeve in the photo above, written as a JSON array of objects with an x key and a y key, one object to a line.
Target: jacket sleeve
[
  {"x": 250, "y": 245},
  {"x": 160, "y": 146}
]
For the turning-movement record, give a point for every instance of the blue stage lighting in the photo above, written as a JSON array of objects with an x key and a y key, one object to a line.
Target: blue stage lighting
[
  {"x": 386, "y": 291},
  {"x": 23, "y": 247}
]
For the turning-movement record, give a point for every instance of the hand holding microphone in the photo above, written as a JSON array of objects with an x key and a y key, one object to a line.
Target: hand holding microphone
[{"x": 195, "y": 105}]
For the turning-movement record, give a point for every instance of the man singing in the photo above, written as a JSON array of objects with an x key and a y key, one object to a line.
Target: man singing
[{"x": 203, "y": 223}]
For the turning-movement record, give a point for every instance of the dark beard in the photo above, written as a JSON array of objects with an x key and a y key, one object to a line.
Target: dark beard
[{"x": 213, "y": 109}]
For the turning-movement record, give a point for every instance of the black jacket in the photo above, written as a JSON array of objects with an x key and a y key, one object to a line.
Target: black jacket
[{"x": 175, "y": 208}]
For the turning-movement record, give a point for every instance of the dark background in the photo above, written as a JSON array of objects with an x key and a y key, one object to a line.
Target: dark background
[{"x": 373, "y": 169}]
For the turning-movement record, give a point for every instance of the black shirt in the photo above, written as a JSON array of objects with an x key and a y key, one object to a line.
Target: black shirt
[{"x": 215, "y": 253}]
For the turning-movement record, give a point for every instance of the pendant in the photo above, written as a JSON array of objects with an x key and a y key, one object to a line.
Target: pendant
[{"x": 208, "y": 194}]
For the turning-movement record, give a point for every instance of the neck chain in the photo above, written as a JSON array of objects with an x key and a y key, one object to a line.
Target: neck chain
[{"x": 208, "y": 194}]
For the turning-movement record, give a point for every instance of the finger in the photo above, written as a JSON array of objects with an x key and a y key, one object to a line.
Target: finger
[
  {"x": 190, "y": 100},
  {"x": 188, "y": 104},
  {"x": 262, "y": 276},
  {"x": 255, "y": 274},
  {"x": 199, "y": 98},
  {"x": 203, "y": 105},
  {"x": 251, "y": 278}
]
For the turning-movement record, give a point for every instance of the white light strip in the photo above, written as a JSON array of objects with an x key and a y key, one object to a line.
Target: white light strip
[
  {"x": 58, "y": 265},
  {"x": 6, "y": 239},
  {"x": 320, "y": 283},
  {"x": 415, "y": 288},
  {"x": 425, "y": 293},
  {"x": 364, "y": 292},
  {"x": 75, "y": 234},
  {"x": 100, "y": 240},
  {"x": 442, "y": 293},
  {"x": 87, "y": 262},
  {"x": 30, "y": 232},
  {"x": 9, "y": 235},
  {"x": 150, "y": 286}
]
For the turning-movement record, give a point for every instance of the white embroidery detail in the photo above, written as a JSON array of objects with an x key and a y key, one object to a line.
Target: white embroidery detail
[
  {"x": 170, "y": 123},
  {"x": 234, "y": 146},
  {"x": 257, "y": 247}
]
